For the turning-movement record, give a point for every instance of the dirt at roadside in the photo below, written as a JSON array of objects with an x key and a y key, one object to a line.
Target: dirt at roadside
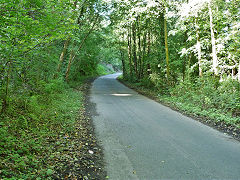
[{"x": 78, "y": 155}]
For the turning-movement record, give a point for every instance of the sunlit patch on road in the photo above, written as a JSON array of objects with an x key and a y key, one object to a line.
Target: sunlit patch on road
[{"x": 122, "y": 95}]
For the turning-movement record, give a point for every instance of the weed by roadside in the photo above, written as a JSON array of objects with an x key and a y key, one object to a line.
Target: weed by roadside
[{"x": 48, "y": 136}]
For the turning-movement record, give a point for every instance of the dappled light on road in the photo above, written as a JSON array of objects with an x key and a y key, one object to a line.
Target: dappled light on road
[{"x": 122, "y": 95}]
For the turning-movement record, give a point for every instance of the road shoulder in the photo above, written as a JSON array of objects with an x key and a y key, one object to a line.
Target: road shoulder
[{"x": 221, "y": 126}]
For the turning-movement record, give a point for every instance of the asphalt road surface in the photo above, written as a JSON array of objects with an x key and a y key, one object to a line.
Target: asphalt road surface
[{"x": 143, "y": 139}]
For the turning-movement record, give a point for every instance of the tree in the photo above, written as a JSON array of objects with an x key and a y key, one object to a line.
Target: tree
[
  {"x": 214, "y": 52},
  {"x": 166, "y": 47}
]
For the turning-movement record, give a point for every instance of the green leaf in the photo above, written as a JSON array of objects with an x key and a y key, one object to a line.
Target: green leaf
[{"x": 49, "y": 172}]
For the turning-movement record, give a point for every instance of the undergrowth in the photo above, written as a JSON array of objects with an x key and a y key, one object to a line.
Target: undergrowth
[
  {"x": 220, "y": 102},
  {"x": 29, "y": 123},
  {"x": 36, "y": 117}
]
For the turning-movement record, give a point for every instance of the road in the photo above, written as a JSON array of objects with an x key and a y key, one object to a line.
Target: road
[{"x": 143, "y": 139}]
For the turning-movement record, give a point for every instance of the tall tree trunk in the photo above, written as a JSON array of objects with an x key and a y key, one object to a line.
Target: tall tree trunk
[
  {"x": 122, "y": 56},
  {"x": 69, "y": 64},
  {"x": 166, "y": 47},
  {"x": 139, "y": 48},
  {"x": 199, "y": 48},
  {"x": 233, "y": 73},
  {"x": 162, "y": 49},
  {"x": 148, "y": 52},
  {"x": 143, "y": 54},
  {"x": 61, "y": 58},
  {"x": 185, "y": 59},
  {"x": 162, "y": 35},
  {"x": 73, "y": 54},
  {"x": 134, "y": 49},
  {"x": 123, "y": 62},
  {"x": 189, "y": 65},
  {"x": 214, "y": 52},
  {"x": 130, "y": 52}
]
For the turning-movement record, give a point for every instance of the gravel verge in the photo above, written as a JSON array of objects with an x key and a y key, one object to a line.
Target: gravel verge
[{"x": 78, "y": 155}]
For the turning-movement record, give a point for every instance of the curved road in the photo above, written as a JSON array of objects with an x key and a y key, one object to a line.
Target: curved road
[{"x": 143, "y": 139}]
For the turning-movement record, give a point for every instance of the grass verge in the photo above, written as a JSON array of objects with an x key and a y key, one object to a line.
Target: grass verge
[{"x": 49, "y": 136}]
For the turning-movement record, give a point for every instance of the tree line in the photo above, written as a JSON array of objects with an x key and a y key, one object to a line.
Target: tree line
[
  {"x": 175, "y": 39},
  {"x": 187, "y": 51},
  {"x": 47, "y": 51},
  {"x": 42, "y": 41}
]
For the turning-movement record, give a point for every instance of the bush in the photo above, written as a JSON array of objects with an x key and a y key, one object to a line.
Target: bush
[
  {"x": 29, "y": 122},
  {"x": 103, "y": 70},
  {"x": 219, "y": 98}
]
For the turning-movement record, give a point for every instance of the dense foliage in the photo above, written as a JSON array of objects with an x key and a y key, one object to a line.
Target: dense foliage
[
  {"x": 45, "y": 40},
  {"x": 185, "y": 50},
  {"x": 47, "y": 48}
]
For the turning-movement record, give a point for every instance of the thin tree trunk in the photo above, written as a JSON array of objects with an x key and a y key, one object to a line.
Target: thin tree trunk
[
  {"x": 189, "y": 65},
  {"x": 162, "y": 49},
  {"x": 199, "y": 48},
  {"x": 122, "y": 57},
  {"x": 185, "y": 59},
  {"x": 143, "y": 54},
  {"x": 73, "y": 54},
  {"x": 69, "y": 64},
  {"x": 233, "y": 73},
  {"x": 130, "y": 52},
  {"x": 134, "y": 49},
  {"x": 139, "y": 48},
  {"x": 214, "y": 52},
  {"x": 166, "y": 48},
  {"x": 123, "y": 62},
  {"x": 61, "y": 58},
  {"x": 148, "y": 53}
]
